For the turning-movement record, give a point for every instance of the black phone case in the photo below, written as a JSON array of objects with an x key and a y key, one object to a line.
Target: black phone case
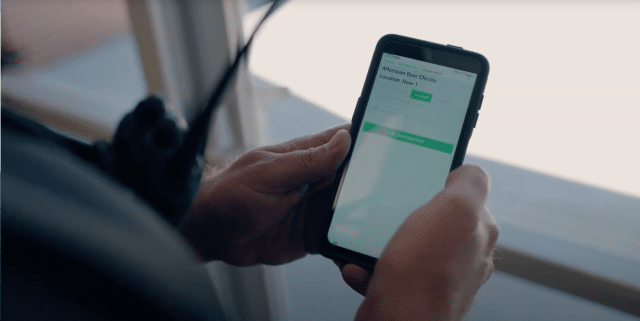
[{"x": 347, "y": 256}]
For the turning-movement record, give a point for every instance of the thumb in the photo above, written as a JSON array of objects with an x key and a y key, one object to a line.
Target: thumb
[
  {"x": 356, "y": 277},
  {"x": 469, "y": 180},
  {"x": 309, "y": 165}
]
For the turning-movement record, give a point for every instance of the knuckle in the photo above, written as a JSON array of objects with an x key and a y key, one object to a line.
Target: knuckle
[
  {"x": 494, "y": 232},
  {"x": 490, "y": 266},
  {"x": 313, "y": 157},
  {"x": 250, "y": 156},
  {"x": 308, "y": 158}
]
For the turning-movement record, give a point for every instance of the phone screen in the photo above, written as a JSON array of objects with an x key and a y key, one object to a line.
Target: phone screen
[{"x": 403, "y": 151}]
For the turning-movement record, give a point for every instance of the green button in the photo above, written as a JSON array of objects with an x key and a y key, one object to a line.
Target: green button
[
  {"x": 408, "y": 137},
  {"x": 421, "y": 95}
]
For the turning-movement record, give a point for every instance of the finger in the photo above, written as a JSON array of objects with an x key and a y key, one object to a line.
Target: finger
[
  {"x": 470, "y": 181},
  {"x": 356, "y": 277},
  {"x": 307, "y": 142},
  {"x": 309, "y": 165},
  {"x": 458, "y": 205}
]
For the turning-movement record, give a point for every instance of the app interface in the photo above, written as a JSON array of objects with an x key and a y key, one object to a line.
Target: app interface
[{"x": 403, "y": 152}]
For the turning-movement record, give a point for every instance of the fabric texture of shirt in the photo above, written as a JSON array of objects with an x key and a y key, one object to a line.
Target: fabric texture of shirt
[{"x": 77, "y": 244}]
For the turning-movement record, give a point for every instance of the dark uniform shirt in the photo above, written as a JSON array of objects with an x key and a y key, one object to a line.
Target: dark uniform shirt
[{"x": 77, "y": 244}]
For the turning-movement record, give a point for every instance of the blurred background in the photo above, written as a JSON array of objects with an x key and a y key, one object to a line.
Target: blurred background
[{"x": 558, "y": 129}]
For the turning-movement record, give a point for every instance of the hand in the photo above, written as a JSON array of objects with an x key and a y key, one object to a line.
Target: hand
[
  {"x": 437, "y": 260},
  {"x": 253, "y": 212}
]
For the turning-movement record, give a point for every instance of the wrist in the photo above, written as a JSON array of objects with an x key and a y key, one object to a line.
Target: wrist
[
  {"x": 405, "y": 307},
  {"x": 202, "y": 228},
  {"x": 403, "y": 297}
]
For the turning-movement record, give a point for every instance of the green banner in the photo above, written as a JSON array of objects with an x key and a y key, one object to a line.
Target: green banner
[{"x": 408, "y": 137}]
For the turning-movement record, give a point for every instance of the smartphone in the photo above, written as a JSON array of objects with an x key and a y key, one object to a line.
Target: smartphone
[{"x": 411, "y": 127}]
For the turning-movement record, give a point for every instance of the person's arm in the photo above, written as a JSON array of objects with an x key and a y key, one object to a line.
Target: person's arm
[{"x": 437, "y": 260}]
